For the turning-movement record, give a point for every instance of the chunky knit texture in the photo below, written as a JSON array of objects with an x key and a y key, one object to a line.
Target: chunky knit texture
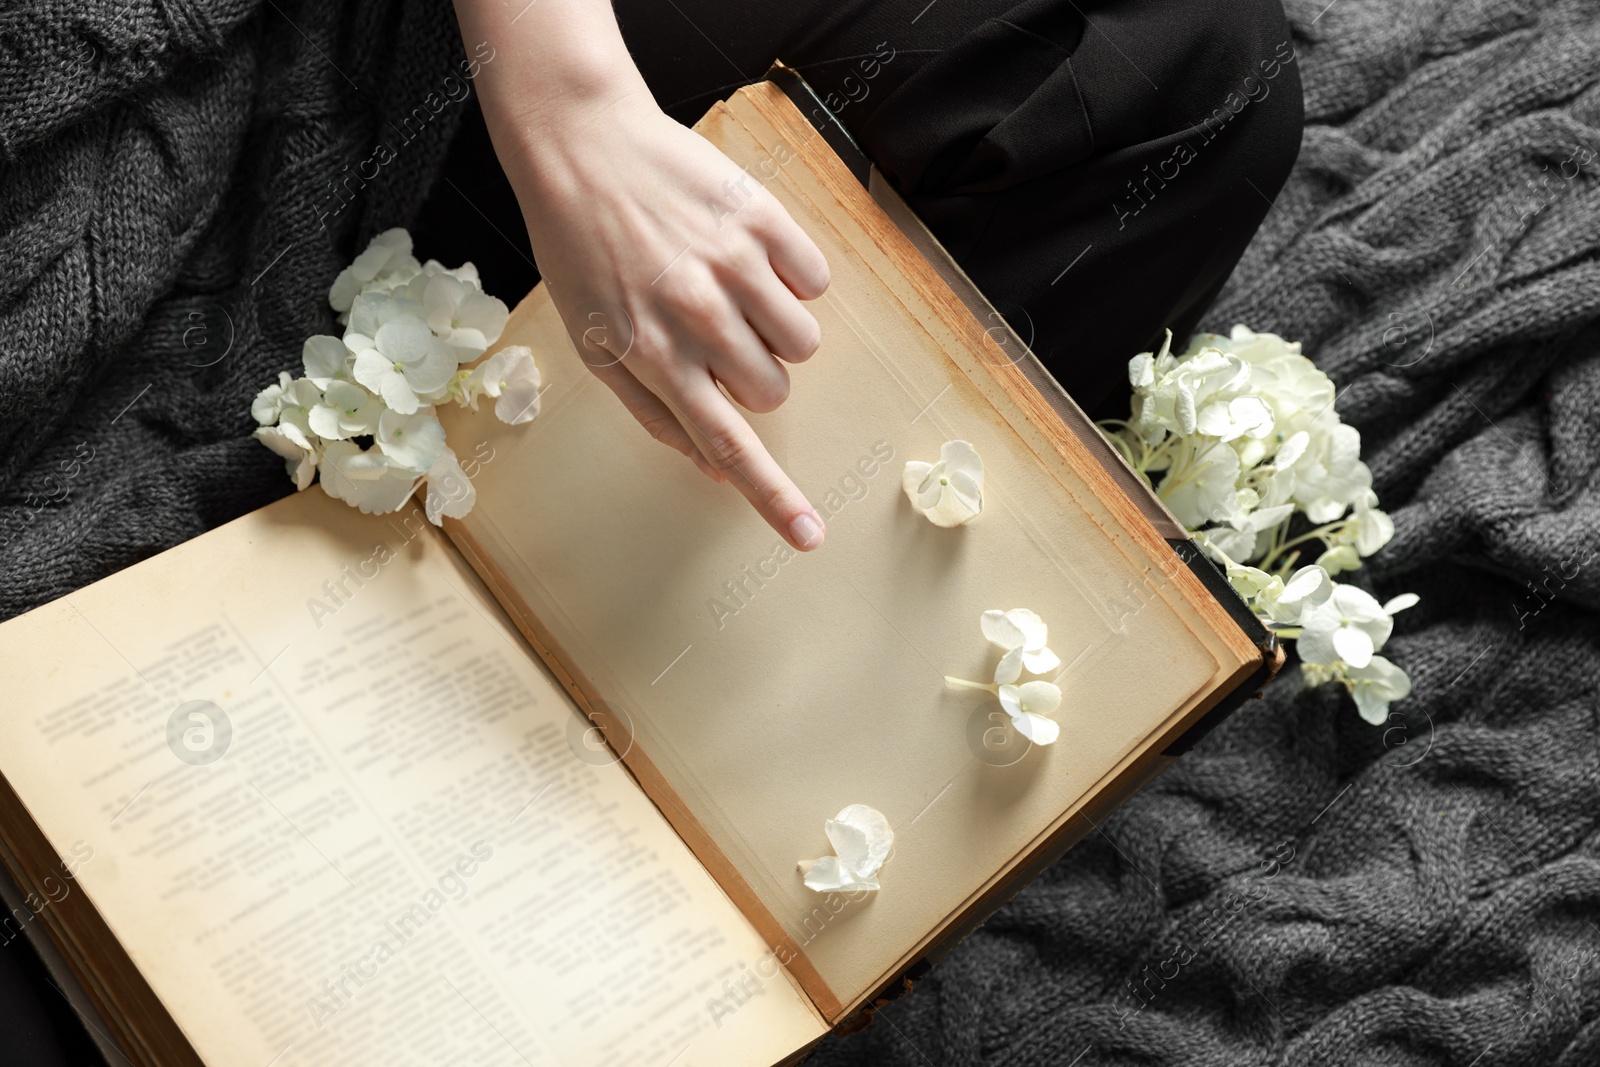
[
  {"x": 171, "y": 183},
  {"x": 1302, "y": 888}
]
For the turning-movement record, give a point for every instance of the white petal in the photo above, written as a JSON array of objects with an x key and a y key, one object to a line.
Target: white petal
[
  {"x": 1311, "y": 582},
  {"x": 1315, "y": 645},
  {"x": 1040, "y": 697},
  {"x": 931, "y": 491},
  {"x": 875, "y": 832},
  {"x": 405, "y": 339},
  {"x": 1037, "y": 728},
  {"x": 1356, "y": 604},
  {"x": 967, "y": 491},
  {"x": 1010, "y": 700},
  {"x": 1034, "y": 632},
  {"x": 371, "y": 368},
  {"x": 1009, "y": 669},
  {"x": 999, "y": 628},
  {"x": 441, "y": 295},
  {"x": 1041, "y": 662},
  {"x": 1291, "y": 450},
  {"x": 432, "y": 372},
  {"x": 827, "y": 875},
  {"x": 950, "y": 511},
  {"x": 483, "y": 313},
  {"x": 398, "y": 394},
  {"x": 450, "y": 491},
  {"x": 960, "y": 457},
  {"x": 1353, "y": 645},
  {"x": 413, "y": 441},
  {"x": 850, "y": 842},
  {"x": 324, "y": 422},
  {"x": 324, "y": 358},
  {"x": 1400, "y": 603},
  {"x": 912, "y": 477}
]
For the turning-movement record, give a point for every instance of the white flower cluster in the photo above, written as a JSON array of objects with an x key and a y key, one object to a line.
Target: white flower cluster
[
  {"x": 1021, "y": 634},
  {"x": 363, "y": 413},
  {"x": 1238, "y": 436}
]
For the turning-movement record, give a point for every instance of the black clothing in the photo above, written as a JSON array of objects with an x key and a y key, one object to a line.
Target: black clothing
[{"x": 1096, "y": 167}]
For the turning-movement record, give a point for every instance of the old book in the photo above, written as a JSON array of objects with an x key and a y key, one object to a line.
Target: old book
[{"x": 326, "y": 788}]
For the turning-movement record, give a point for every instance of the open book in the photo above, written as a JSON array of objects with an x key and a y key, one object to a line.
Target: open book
[{"x": 326, "y": 788}]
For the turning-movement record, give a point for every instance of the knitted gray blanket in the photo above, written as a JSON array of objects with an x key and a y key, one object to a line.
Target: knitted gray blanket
[{"x": 1301, "y": 888}]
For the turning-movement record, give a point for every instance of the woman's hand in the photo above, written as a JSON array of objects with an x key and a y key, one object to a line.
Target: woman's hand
[{"x": 674, "y": 269}]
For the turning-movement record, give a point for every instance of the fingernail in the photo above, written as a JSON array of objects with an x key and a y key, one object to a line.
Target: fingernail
[{"x": 806, "y": 531}]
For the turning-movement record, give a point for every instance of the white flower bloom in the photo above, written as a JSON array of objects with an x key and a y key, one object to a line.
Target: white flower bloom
[
  {"x": 861, "y": 841},
  {"x": 1028, "y": 704},
  {"x": 1229, "y": 419},
  {"x": 414, "y": 442},
  {"x": 1376, "y": 686},
  {"x": 269, "y": 402},
  {"x": 949, "y": 492},
  {"x": 1207, "y": 487},
  {"x": 299, "y": 459},
  {"x": 512, "y": 376},
  {"x": 299, "y": 397},
  {"x": 1179, "y": 388},
  {"x": 345, "y": 411},
  {"x": 408, "y": 364},
  {"x": 1349, "y": 626},
  {"x": 1244, "y": 532},
  {"x": 386, "y": 262},
  {"x": 1023, "y": 635},
  {"x": 450, "y": 491},
  {"x": 462, "y": 314},
  {"x": 1339, "y": 558},
  {"x": 1330, "y": 476},
  {"x": 365, "y": 479},
  {"x": 1373, "y": 528}
]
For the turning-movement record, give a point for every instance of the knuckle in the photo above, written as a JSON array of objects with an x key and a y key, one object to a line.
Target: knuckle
[
  {"x": 663, "y": 428},
  {"x": 726, "y": 449}
]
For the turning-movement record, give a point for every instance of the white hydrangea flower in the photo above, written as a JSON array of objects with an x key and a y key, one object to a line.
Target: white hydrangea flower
[
  {"x": 269, "y": 402},
  {"x": 365, "y": 478},
  {"x": 414, "y": 441},
  {"x": 1028, "y": 705},
  {"x": 299, "y": 458},
  {"x": 1376, "y": 686},
  {"x": 386, "y": 262},
  {"x": 1330, "y": 476},
  {"x": 409, "y": 327},
  {"x": 861, "y": 840},
  {"x": 1244, "y": 531},
  {"x": 1280, "y": 601},
  {"x": 1349, "y": 626},
  {"x": 346, "y": 410},
  {"x": 299, "y": 397},
  {"x": 1207, "y": 485},
  {"x": 512, "y": 377},
  {"x": 950, "y": 492},
  {"x": 406, "y": 364},
  {"x": 1023, "y": 635},
  {"x": 462, "y": 314}
]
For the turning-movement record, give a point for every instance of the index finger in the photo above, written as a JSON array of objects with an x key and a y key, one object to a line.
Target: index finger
[{"x": 731, "y": 446}]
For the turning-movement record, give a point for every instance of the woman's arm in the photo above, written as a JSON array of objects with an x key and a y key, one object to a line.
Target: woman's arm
[{"x": 673, "y": 268}]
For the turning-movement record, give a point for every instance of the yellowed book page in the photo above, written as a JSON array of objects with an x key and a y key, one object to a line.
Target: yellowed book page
[
  {"x": 339, "y": 815},
  {"x": 772, "y": 688}
]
